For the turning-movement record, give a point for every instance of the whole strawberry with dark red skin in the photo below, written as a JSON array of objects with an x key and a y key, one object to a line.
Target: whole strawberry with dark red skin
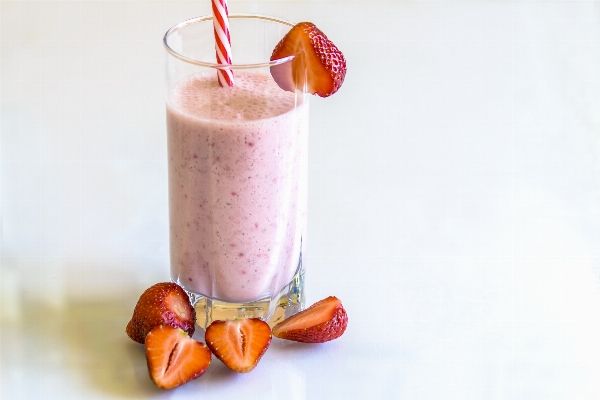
[
  {"x": 318, "y": 61},
  {"x": 323, "y": 321},
  {"x": 165, "y": 303}
]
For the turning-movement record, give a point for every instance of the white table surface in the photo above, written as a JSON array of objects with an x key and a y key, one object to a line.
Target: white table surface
[{"x": 454, "y": 201}]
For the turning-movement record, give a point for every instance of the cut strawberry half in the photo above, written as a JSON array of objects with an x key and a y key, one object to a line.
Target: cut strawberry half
[
  {"x": 323, "y": 321},
  {"x": 318, "y": 61},
  {"x": 173, "y": 357},
  {"x": 239, "y": 344},
  {"x": 161, "y": 304}
]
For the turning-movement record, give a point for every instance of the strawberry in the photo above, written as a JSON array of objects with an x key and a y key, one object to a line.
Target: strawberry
[
  {"x": 239, "y": 344},
  {"x": 323, "y": 62},
  {"x": 173, "y": 357},
  {"x": 162, "y": 304},
  {"x": 323, "y": 321}
]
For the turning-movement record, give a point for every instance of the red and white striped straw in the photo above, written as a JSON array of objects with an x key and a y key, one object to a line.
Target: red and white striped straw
[{"x": 222, "y": 41}]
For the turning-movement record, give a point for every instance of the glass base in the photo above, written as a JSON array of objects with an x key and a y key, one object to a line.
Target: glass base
[{"x": 272, "y": 310}]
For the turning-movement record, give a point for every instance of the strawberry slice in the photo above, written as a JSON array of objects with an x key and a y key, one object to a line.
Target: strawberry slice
[
  {"x": 323, "y": 321},
  {"x": 162, "y": 304},
  {"x": 239, "y": 344},
  {"x": 323, "y": 62},
  {"x": 173, "y": 357}
]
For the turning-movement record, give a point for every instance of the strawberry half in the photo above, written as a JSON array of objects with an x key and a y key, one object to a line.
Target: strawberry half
[
  {"x": 162, "y": 304},
  {"x": 323, "y": 62},
  {"x": 323, "y": 321},
  {"x": 173, "y": 357},
  {"x": 239, "y": 344}
]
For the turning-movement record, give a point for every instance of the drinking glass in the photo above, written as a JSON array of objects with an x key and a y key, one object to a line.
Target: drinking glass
[{"x": 237, "y": 160}]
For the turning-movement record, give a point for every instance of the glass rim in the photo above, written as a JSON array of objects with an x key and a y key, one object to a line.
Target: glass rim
[{"x": 204, "y": 18}]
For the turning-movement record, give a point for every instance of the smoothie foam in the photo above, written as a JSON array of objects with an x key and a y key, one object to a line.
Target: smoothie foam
[{"x": 237, "y": 186}]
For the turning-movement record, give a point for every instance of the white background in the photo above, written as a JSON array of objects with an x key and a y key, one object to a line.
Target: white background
[{"x": 454, "y": 201}]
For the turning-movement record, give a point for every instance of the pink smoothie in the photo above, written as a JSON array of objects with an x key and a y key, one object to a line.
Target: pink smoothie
[{"x": 237, "y": 186}]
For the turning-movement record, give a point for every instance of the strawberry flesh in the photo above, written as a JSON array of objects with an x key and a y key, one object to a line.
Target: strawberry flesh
[
  {"x": 323, "y": 321},
  {"x": 239, "y": 344},
  {"x": 162, "y": 304},
  {"x": 173, "y": 357},
  {"x": 318, "y": 64}
]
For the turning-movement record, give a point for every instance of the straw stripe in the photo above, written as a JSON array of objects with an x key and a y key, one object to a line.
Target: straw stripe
[{"x": 222, "y": 41}]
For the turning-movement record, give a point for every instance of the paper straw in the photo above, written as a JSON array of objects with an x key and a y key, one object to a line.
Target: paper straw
[{"x": 222, "y": 41}]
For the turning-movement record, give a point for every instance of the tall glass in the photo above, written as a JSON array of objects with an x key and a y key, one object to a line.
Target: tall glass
[{"x": 237, "y": 160}]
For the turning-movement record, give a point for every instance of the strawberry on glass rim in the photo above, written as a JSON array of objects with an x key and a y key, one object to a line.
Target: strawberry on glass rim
[{"x": 323, "y": 62}]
